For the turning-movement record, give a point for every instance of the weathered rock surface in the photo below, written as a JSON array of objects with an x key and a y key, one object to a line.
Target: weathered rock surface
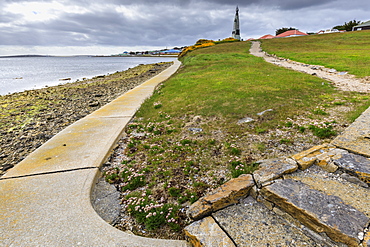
[
  {"x": 326, "y": 159},
  {"x": 105, "y": 201},
  {"x": 308, "y": 157},
  {"x": 206, "y": 232},
  {"x": 317, "y": 210},
  {"x": 366, "y": 242},
  {"x": 250, "y": 223},
  {"x": 269, "y": 170},
  {"x": 356, "y": 137},
  {"x": 351, "y": 193},
  {"x": 355, "y": 165},
  {"x": 227, "y": 194},
  {"x": 354, "y": 180}
]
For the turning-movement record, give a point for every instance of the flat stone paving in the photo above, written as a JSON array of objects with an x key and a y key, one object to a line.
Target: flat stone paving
[
  {"x": 250, "y": 223},
  {"x": 318, "y": 210},
  {"x": 356, "y": 165},
  {"x": 356, "y": 138},
  {"x": 46, "y": 198},
  {"x": 337, "y": 185}
]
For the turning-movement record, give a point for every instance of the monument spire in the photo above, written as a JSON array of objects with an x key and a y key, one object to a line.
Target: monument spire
[{"x": 236, "y": 30}]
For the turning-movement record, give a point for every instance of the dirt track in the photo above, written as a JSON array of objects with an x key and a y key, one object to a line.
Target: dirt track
[{"x": 340, "y": 80}]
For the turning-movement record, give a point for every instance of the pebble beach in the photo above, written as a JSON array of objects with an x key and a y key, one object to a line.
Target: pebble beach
[{"x": 30, "y": 118}]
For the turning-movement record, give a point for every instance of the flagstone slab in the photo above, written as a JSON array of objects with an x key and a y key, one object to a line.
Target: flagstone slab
[
  {"x": 356, "y": 138},
  {"x": 317, "y": 210},
  {"x": 250, "y": 223},
  {"x": 351, "y": 192},
  {"x": 308, "y": 157},
  {"x": 356, "y": 165},
  {"x": 207, "y": 233},
  {"x": 269, "y": 170},
  {"x": 225, "y": 195}
]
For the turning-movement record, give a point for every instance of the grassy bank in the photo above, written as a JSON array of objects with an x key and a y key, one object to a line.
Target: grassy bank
[
  {"x": 194, "y": 133},
  {"x": 343, "y": 51}
]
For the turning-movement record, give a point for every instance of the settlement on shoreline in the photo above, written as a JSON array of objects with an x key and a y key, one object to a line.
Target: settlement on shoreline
[{"x": 28, "y": 119}]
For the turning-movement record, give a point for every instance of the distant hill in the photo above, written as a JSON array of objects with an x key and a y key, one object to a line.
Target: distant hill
[{"x": 26, "y": 56}]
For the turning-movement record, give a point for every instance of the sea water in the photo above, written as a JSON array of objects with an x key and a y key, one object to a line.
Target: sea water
[{"x": 25, "y": 73}]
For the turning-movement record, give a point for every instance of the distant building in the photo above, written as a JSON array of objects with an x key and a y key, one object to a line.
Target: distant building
[
  {"x": 363, "y": 26},
  {"x": 236, "y": 29},
  {"x": 267, "y": 36},
  {"x": 328, "y": 31},
  {"x": 171, "y": 52},
  {"x": 291, "y": 33}
]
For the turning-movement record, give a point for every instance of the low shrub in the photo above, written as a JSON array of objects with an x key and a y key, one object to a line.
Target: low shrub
[
  {"x": 323, "y": 132},
  {"x": 238, "y": 168},
  {"x": 153, "y": 215}
]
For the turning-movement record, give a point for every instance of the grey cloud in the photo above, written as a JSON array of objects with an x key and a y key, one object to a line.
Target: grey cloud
[
  {"x": 171, "y": 22},
  {"x": 112, "y": 28}
]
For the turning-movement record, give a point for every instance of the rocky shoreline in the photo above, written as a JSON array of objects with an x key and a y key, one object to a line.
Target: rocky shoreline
[{"x": 30, "y": 118}]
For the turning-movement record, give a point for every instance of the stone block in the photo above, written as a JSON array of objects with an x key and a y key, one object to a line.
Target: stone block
[
  {"x": 268, "y": 205},
  {"x": 356, "y": 137},
  {"x": 287, "y": 217},
  {"x": 250, "y": 223},
  {"x": 199, "y": 209},
  {"x": 354, "y": 180},
  {"x": 270, "y": 170},
  {"x": 336, "y": 153},
  {"x": 308, "y": 157},
  {"x": 254, "y": 192},
  {"x": 325, "y": 162},
  {"x": 366, "y": 242},
  {"x": 206, "y": 232},
  {"x": 227, "y": 194},
  {"x": 355, "y": 165},
  {"x": 317, "y": 210}
]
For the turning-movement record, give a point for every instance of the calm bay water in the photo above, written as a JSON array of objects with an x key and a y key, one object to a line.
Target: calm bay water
[{"x": 24, "y": 73}]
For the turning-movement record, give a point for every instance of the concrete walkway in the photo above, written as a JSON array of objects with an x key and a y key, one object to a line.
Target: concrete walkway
[{"x": 45, "y": 199}]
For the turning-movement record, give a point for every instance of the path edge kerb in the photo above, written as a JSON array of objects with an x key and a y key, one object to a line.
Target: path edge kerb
[
  {"x": 161, "y": 77},
  {"x": 85, "y": 227},
  {"x": 158, "y": 79}
]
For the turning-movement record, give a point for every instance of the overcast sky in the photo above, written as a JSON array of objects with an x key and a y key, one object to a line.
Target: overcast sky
[{"x": 65, "y": 27}]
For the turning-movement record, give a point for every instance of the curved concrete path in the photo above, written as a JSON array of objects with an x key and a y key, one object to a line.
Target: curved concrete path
[{"x": 45, "y": 199}]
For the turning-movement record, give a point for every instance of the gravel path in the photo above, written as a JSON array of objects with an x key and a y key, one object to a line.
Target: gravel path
[{"x": 340, "y": 80}]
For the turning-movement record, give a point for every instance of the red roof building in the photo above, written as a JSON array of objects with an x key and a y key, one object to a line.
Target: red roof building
[
  {"x": 267, "y": 36},
  {"x": 291, "y": 33}
]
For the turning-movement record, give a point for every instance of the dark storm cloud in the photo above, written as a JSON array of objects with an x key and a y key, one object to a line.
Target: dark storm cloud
[
  {"x": 157, "y": 25},
  {"x": 167, "y": 22},
  {"x": 282, "y": 4}
]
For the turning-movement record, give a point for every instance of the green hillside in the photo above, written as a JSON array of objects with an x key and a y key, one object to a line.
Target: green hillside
[
  {"x": 197, "y": 129},
  {"x": 343, "y": 51}
]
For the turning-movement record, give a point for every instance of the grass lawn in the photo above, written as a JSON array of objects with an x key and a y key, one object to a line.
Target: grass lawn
[
  {"x": 343, "y": 51},
  {"x": 189, "y": 138}
]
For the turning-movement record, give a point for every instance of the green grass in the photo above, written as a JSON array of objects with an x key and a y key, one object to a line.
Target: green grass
[
  {"x": 226, "y": 81},
  {"x": 342, "y": 51},
  {"x": 193, "y": 141}
]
